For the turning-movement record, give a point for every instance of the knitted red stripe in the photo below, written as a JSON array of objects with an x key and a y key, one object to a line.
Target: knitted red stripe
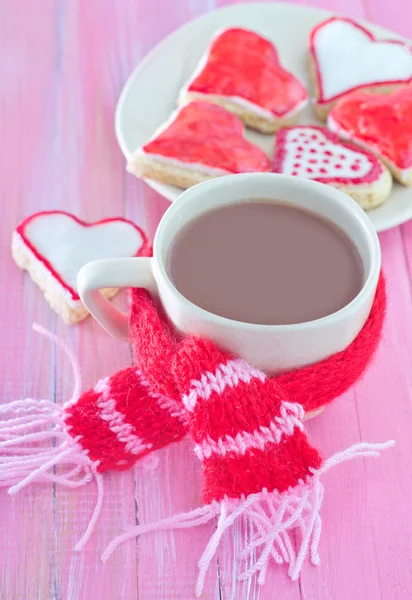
[
  {"x": 152, "y": 417},
  {"x": 197, "y": 356},
  {"x": 153, "y": 342},
  {"x": 277, "y": 467},
  {"x": 247, "y": 407},
  {"x": 225, "y": 397},
  {"x": 84, "y": 419},
  {"x": 311, "y": 386}
]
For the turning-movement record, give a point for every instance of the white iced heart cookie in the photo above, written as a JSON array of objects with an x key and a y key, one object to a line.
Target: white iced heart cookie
[
  {"x": 316, "y": 153},
  {"x": 52, "y": 246},
  {"x": 344, "y": 56}
]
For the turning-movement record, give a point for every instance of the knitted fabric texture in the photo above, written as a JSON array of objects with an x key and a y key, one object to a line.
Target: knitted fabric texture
[
  {"x": 128, "y": 415},
  {"x": 246, "y": 427},
  {"x": 138, "y": 410},
  {"x": 154, "y": 343},
  {"x": 120, "y": 420},
  {"x": 246, "y": 432},
  {"x": 258, "y": 465}
]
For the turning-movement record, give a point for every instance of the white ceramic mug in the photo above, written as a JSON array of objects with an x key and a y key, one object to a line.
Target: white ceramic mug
[{"x": 272, "y": 348}]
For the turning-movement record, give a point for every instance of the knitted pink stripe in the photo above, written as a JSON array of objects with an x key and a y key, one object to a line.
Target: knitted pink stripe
[
  {"x": 226, "y": 374},
  {"x": 165, "y": 402},
  {"x": 108, "y": 412},
  {"x": 243, "y": 441}
]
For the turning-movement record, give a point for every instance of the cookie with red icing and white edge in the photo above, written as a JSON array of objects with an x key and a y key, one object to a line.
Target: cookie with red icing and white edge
[
  {"x": 344, "y": 57},
  {"x": 241, "y": 71},
  {"x": 380, "y": 123},
  {"x": 316, "y": 153},
  {"x": 53, "y": 245},
  {"x": 200, "y": 141}
]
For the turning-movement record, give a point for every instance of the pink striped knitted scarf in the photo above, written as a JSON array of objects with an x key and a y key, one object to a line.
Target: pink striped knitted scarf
[{"x": 247, "y": 431}]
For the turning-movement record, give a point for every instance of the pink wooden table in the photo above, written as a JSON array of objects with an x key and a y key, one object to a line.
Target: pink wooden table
[{"x": 62, "y": 66}]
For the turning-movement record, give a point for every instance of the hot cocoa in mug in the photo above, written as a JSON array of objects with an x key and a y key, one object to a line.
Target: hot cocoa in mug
[
  {"x": 219, "y": 261},
  {"x": 279, "y": 270}
]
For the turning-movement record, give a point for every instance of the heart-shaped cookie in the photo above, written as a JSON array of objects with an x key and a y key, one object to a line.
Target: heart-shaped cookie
[
  {"x": 381, "y": 123},
  {"x": 200, "y": 141},
  {"x": 52, "y": 246},
  {"x": 345, "y": 56},
  {"x": 316, "y": 153},
  {"x": 241, "y": 71}
]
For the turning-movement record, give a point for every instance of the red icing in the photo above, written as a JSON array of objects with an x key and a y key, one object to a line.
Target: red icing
[
  {"x": 21, "y": 230},
  {"x": 281, "y": 151},
  {"x": 383, "y": 123},
  {"x": 321, "y": 99},
  {"x": 242, "y": 63},
  {"x": 207, "y": 134}
]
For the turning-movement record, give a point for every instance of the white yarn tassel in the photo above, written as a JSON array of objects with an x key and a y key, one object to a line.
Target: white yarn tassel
[
  {"x": 271, "y": 516},
  {"x": 34, "y": 441}
]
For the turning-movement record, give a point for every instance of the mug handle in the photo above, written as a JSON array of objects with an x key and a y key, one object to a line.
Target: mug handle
[{"x": 113, "y": 273}]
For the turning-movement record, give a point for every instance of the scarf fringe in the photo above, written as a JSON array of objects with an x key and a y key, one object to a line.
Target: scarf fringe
[
  {"x": 36, "y": 446},
  {"x": 271, "y": 517},
  {"x": 34, "y": 441}
]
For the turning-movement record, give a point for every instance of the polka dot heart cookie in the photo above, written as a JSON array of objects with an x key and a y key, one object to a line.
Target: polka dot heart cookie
[{"x": 316, "y": 153}]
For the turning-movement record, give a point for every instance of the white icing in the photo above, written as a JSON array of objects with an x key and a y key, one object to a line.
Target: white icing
[
  {"x": 333, "y": 126},
  {"x": 250, "y": 106},
  {"x": 68, "y": 245},
  {"x": 42, "y": 276},
  {"x": 347, "y": 58},
  {"x": 403, "y": 173},
  {"x": 201, "y": 168},
  {"x": 261, "y": 112},
  {"x": 308, "y": 148}
]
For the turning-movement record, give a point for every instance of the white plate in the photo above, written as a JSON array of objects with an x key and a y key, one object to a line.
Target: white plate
[{"x": 150, "y": 94}]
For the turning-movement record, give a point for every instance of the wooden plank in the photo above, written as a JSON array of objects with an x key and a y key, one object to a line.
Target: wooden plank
[
  {"x": 167, "y": 562},
  {"x": 66, "y": 64},
  {"x": 68, "y": 135},
  {"x": 394, "y": 16},
  {"x": 350, "y": 8},
  {"x": 89, "y": 161},
  {"x": 26, "y": 520}
]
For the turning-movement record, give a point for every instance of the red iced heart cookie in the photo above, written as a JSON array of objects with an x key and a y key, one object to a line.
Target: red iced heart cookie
[
  {"x": 52, "y": 246},
  {"x": 199, "y": 142},
  {"x": 316, "y": 153},
  {"x": 346, "y": 57},
  {"x": 241, "y": 71},
  {"x": 381, "y": 123}
]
